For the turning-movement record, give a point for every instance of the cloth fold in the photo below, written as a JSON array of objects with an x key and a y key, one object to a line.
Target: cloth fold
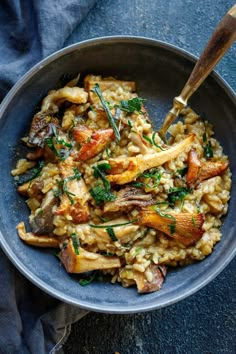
[{"x": 30, "y": 320}]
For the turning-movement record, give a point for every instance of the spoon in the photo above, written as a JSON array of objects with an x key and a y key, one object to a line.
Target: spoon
[{"x": 220, "y": 41}]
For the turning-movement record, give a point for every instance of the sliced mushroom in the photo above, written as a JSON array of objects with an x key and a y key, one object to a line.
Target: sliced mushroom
[
  {"x": 158, "y": 277},
  {"x": 128, "y": 197},
  {"x": 194, "y": 165},
  {"x": 56, "y": 97},
  {"x": 212, "y": 168},
  {"x": 126, "y": 169},
  {"x": 37, "y": 240},
  {"x": 42, "y": 221},
  {"x": 92, "y": 143},
  {"x": 86, "y": 261},
  {"x": 184, "y": 227}
]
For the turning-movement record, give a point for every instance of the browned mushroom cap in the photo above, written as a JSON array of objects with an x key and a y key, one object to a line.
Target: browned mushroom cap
[
  {"x": 42, "y": 222},
  {"x": 85, "y": 261},
  {"x": 95, "y": 143},
  {"x": 158, "y": 277},
  {"x": 125, "y": 170},
  {"x": 194, "y": 165},
  {"x": 128, "y": 197},
  {"x": 212, "y": 168},
  {"x": 184, "y": 227},
  {"x": 37, "y": 240}
]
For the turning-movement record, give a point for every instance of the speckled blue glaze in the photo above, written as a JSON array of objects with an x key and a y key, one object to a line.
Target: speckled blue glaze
[{"x": 160, "y": 71}]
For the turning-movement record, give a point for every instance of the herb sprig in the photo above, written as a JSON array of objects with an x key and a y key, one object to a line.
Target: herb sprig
[
  {"x": 35, "y": 172},
  {"x": 152, "y": 141},
  {"x": 208, "y": 151},
  {"x": 175, "y": 194},
  {"x": 172, "y": 226},
  {"x": 110, "y": 117},
  {"x": 132, "y": 105},
  {"x": 75, "y": 243},
  {"x": 101, "y": 193}
]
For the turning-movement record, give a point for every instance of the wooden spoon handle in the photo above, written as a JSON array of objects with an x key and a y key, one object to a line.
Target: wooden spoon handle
[{"x": 221, "y": 40}]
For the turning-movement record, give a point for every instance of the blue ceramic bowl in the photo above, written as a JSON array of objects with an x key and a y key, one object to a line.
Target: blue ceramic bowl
[{"x": 160, "y": 71}]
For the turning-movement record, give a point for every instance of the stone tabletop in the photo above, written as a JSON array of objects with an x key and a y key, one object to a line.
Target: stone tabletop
[{"x": 204, "y": 323}]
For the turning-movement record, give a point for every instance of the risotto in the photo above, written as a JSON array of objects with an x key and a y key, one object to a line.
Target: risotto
[{"x": 104, "y": 189}]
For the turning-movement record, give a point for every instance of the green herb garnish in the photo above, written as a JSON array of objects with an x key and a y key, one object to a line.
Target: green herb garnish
[
  {"x": 169, "y": 216},
  {"x": 107, "y": 110},
  {"x": 99, "y": 193},
  {"x": 175, "y": 194},
  {"x": 75, "y": 243},
  {"x": 60, "y": 141},
  {"x": 35, "y": 172},
  {"x": 182, "y": 171},
  {"x": 129, "y": 123},
  {"x": 194, "y": 221},
  {"x": 155, "y": 174},
  {"x": 208, "y": 151},
  {"x": 132, "y": 105},
  {"x": 89, "y": 280},
  {"x": 138, "y": 250},
  {"x": 111, "y": 226},
  {"x": 152, "y": 141},
  {"x": 111, "y": 234},
  {"x": 62, "y": 186}
]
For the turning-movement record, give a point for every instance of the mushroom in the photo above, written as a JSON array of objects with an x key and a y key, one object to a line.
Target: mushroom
[
  {"x": 184, "y": 227},
  {"x": 128, "y": 197},
  {"x": 37, "y": 240},
  {"x": 194, "y": 165},
  {"x": 126, "y": 169},
  {"x": 75, "y": 194},
  {"x": 85, "y": 261},
  {"x": 56, "y": 97},
  {"x": 158, "y": 277},
  {"x": 42, "y": 221},
  {"x": 212, "y": 168},
  {"x": 92, "y": 143}
]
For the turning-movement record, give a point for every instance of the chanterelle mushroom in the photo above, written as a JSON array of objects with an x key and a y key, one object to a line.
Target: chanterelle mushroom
[
  {"x": 184, "y": 227},
  {"x": 124, "y": 170}
]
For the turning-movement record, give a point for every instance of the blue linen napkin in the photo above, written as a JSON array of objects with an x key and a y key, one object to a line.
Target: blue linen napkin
[{"x": 30, "y": 320}]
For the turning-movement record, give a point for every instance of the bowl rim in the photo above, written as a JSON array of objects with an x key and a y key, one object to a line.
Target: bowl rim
[{"x": 211, "y": 274}]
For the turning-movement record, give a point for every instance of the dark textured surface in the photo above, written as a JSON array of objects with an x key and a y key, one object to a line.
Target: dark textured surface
[{"x": 204, "y": 323}]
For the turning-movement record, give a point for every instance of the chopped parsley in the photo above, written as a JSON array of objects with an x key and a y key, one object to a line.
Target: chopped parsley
[
  {"x": 35, "y": 172},
  {"x": 154, "y": 173},
  {"x": 107, "y": 110},
  {"x": 132, "y": 105},
  {"x": 182, "y": 171},
  {"x": 208, "y": 151},
  {"x": 101, "y": 193},
  {"x": 75, "y": 243},
  {"x": 88, "y": 280},
  {"x": 175, "y": 194}
]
